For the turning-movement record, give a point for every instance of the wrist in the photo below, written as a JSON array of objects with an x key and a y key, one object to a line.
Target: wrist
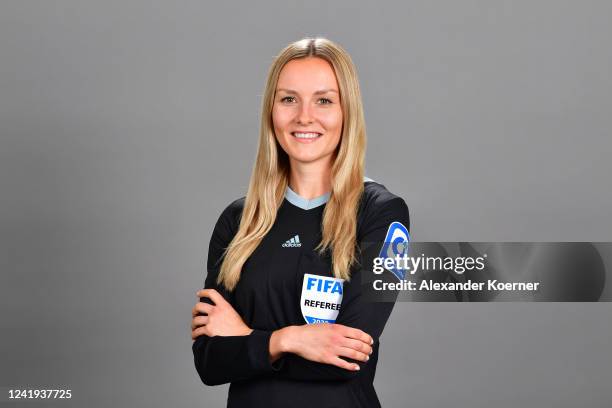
[
  {"x": 280, "y": 342},
  {"x": 287, "y": 339}
]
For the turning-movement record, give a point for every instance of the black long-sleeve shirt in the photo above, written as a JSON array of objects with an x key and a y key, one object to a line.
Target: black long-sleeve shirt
[{"x": 279, "y": 285}]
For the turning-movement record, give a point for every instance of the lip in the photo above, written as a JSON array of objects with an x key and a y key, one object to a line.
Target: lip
[
  {"x": 300, "y": 140},
  {"x": 306, "y": 131}
]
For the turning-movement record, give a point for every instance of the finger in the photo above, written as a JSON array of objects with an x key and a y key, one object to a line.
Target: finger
[
  {"x": 200, "y": 331},
  {"x": 356, "y": 345},
  {"x": 202, "y": 307},
  {"x": 200, "y": 293},
  {"x": 199, "y": 321},
  {"x": 213, "y": 295},
  {"x": 357, "y": 334},
  {"x": 352, "y": 354},
  {"x": 345, "y": 364}
]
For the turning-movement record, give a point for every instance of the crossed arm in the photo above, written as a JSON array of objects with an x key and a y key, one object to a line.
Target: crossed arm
[
  {"x": 226, "y": 350},
  {"x": 222, "y": 333}
]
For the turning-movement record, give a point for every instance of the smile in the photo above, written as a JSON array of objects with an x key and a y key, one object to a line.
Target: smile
[{"x": 306, "y": 136}]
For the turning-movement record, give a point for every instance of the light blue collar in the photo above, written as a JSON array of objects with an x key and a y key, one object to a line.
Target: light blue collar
[{"x": 303, "y": 203}]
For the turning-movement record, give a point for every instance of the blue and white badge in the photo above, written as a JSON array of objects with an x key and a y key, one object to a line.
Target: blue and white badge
[
  {"x": 396, "y": 243},
  {"x": 321, "y": 298}
]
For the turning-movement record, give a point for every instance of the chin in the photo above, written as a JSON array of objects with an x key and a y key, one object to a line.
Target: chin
[
  {"x": 306, "y": 152},
  {"x": 301, "y": 158},
  {"x": 308, "y": 158}
]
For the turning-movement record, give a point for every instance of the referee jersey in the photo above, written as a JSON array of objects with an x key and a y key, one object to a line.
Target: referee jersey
[{"x": 287, "y": 282}]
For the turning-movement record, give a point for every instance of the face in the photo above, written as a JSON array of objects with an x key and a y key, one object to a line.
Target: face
[{"x": 307, "y": 115}]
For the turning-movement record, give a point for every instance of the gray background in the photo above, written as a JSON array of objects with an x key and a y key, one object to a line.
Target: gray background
[{"x": 126, "y": 127}]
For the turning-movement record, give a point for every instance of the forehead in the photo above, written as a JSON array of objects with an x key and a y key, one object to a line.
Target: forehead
[{"x": 307, "y": 75}]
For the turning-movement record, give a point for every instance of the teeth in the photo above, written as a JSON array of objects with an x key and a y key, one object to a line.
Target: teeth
[{"x": 306, "y": 135}]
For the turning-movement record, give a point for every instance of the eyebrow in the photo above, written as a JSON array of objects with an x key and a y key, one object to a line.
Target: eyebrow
[{"x": 322, "y": 91}]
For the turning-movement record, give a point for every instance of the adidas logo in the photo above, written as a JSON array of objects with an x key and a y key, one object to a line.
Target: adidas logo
[{"x": 293, "y": 242}]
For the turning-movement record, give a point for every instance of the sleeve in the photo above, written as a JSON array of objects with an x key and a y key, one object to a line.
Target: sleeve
[
  {"x": 359, "y": 309},
  {"x": 223, "y": 359}
]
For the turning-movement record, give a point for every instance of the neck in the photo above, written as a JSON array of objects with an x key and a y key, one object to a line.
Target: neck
[{"x": 310, "y": 180}]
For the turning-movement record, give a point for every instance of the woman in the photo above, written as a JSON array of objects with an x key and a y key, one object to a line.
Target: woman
[{"x": 282, "y": 316}]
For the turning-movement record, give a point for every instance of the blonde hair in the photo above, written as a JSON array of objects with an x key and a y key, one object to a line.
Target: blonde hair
[{"x": 270, "y": 175}]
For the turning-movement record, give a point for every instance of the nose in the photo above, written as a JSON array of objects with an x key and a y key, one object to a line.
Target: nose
[{"x": 304, "y": 116}]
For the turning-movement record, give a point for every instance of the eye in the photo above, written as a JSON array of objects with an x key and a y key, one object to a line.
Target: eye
[
  {"x": 287, "y": 99},
  {"x": 325, "y": 101}
]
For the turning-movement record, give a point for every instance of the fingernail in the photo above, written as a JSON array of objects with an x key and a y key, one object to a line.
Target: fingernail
[
  {"x": 371, "y": 341},
  {"x": 371, "y": 351},
  {"x": 357, "y": 368},
  {"x": 367, "y": 358}
]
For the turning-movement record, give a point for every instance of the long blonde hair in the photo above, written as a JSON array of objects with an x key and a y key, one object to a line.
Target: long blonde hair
[{"x": 270, "y": 175}]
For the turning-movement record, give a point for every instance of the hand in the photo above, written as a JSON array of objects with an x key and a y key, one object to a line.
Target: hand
[
  {"x": 323, "y": 343},
  {"x": 221, "y": 319}
]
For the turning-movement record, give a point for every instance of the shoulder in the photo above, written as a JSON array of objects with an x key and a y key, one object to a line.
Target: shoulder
[
  {"x": 234, "y": 209},
  {"x": 229, "y": 220},
  {"x": 379, "y": 207},
  {"x": 376, "y": 196}
]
